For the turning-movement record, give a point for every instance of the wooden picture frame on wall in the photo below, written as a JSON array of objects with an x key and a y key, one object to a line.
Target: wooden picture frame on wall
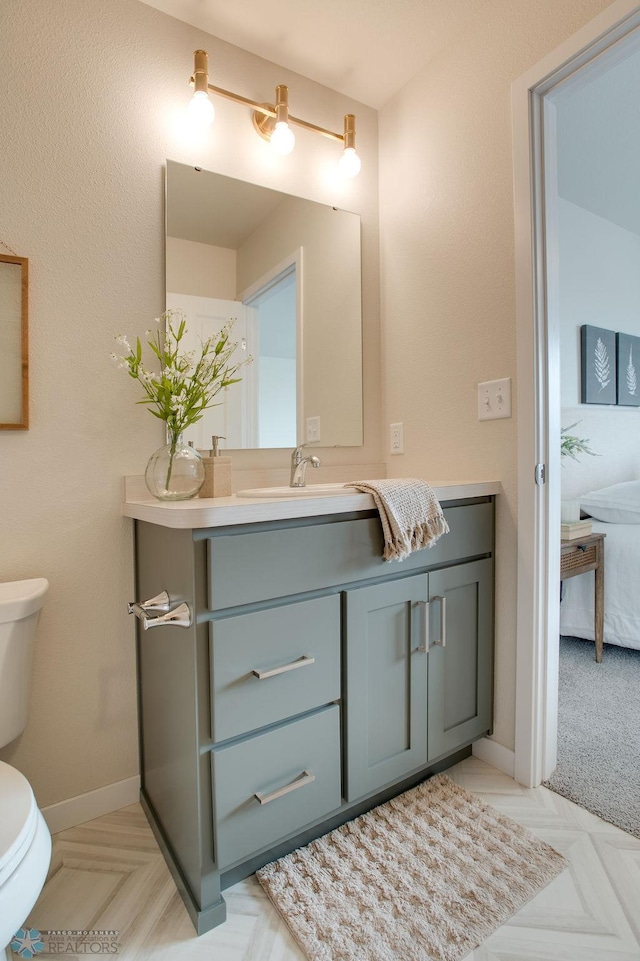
[{"x": 14, "y": 342}]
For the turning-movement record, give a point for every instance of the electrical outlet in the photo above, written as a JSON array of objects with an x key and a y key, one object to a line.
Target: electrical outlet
[
  {"x": 494, "y": 399},
  {"x": 313, "y": 430},
  {"x": 396, "y": 438}
]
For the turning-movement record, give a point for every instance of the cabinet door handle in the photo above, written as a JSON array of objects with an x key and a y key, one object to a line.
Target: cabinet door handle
[
  {"x": 442, "y": 640},
  {"x": 424, "y": 607},
  {"x": 304, "y": 661},
  {"x": 305, "y": 778}
]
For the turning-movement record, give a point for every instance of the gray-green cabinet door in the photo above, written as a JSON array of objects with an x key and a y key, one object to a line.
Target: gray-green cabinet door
[
  {"x": 460, "y": 656},
  {"x": 386, "y": 683}
]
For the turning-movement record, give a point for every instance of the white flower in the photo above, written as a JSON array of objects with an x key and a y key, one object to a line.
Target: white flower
[
  {"x": 189, "y": 359},
  {"x": 177, "y": 408},
  {"x": 176, "y": 393}
]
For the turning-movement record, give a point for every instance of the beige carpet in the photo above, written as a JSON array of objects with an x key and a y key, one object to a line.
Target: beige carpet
[{"x": 428, "y": 875}]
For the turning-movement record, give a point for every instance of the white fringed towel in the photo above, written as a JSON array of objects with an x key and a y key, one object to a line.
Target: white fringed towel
[{"x": 410, "y": 513}]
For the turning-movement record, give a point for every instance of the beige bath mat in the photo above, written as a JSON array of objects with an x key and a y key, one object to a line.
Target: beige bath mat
[{"x": 428, "y": 875}]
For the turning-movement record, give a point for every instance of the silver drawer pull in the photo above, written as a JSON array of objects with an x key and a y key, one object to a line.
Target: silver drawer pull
[
  {"x": 424, "y": 607},
  {"x": 305, "y": 778},
  {"x": 304, "y": 661},
  {"x": 442, "y": 640}
]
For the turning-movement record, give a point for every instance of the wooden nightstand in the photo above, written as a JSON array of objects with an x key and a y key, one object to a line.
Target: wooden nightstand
[{"x": 579, "y": 556}]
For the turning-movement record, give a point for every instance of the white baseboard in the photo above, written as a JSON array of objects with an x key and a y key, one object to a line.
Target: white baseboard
[
  {"x": 496, "y": 755},
  {"x": 93, "y": 804}
]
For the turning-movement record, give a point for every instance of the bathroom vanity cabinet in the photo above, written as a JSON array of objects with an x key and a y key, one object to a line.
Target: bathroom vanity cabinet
[{"x": 315, "y": 680}]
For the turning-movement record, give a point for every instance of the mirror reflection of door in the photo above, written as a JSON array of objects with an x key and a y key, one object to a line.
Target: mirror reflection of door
[
  {"x": 261, "y": 410},
  {"x": 233, "y": 416},
  {"x": 272, "y": 334}
]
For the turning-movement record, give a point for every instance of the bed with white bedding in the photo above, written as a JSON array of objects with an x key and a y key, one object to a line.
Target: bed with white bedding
[
  {"x": 621, "y": 590},
  {"x": 616, "y": 512}
]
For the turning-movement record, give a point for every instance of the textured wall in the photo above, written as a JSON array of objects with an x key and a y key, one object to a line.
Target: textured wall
[
  {"x": 447, "y": 268},
  {"x": 92, "y": 106}
]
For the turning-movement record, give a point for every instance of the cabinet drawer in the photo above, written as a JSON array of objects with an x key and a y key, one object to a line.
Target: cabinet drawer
[
  {"x": 302, "y": 757},
  {"x": 256, "y": 566},
  {"x": 294, "y": 650}
]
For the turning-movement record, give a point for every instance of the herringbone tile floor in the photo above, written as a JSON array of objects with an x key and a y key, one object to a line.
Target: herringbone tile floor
[{"x": 109, "y": 874}]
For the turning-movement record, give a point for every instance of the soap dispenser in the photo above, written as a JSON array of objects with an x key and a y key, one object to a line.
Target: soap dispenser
[{"x": 217, "y": 472}]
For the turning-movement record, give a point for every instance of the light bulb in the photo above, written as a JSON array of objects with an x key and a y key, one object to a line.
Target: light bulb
[
  {"x": 283, "y": 138},
  {"x": 201, "y": 110},
  {"x": 349, "y": 163}
]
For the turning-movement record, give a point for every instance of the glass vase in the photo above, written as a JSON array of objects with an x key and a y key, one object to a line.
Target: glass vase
[{"x": 175, "y": 472}]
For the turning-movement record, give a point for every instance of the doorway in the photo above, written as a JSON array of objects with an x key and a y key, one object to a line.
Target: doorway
[
  {"x": 273, "y": 329},
  {"x": 274, "y": 305},
  {"x": 539, "y": 383}
]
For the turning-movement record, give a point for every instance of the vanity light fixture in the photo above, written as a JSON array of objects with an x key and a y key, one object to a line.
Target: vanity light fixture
[
  {"x": 272, "y": 121},
  {"x": 277, "y": 130}
]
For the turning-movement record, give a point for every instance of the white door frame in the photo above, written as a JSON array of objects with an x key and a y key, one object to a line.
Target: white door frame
[{"x": 538, "y": 399}]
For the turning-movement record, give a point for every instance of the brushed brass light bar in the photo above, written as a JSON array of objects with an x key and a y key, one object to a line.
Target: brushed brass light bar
[
  {"x": 269, "y": 110},
  {"x": 266, "y": 109},
  {"x": 316, "y": 128},
  {"x": 266, "y": 115}
]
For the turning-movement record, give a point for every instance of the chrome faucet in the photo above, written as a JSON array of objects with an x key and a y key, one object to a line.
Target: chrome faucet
[{"x": 299, "y": 466}]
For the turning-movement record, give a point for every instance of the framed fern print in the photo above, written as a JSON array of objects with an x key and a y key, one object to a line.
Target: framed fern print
[
  {"x": 628, "y": 358},
  {"x": 598, "y": 365}
]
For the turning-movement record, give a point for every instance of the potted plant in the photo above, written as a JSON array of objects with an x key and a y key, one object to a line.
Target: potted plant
[
  {"x": 571, "y": 446},
  {"x": 179, "y": 393}
]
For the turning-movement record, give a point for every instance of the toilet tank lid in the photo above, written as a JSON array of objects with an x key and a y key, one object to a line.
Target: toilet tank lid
[
  {"x": 19, "y": 599},
  {"x": 19, "y": 819}
]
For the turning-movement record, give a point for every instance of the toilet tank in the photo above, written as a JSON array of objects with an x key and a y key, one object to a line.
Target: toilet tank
[{"x": 20, "y": 605}]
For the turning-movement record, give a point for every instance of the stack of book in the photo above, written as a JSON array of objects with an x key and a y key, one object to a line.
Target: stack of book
[{"x": 569, "y": 531}]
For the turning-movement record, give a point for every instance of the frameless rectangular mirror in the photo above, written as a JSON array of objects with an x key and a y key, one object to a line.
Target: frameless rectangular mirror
[
  {"x": 14, "y": 370},
  {"x": 287, "y": 270}
]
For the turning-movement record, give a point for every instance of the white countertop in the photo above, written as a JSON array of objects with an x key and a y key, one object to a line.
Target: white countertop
[{"x": 225, "y": 511}]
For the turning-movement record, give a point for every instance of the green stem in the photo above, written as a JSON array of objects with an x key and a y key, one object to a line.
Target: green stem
[{"x": 172, "y": 452}]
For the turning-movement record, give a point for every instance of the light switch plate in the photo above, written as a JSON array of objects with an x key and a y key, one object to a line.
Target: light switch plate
[
  {"x": 313, "y": 430},
  {"x": 494, "y": 399},
  {"x": 396, "y": 438}
]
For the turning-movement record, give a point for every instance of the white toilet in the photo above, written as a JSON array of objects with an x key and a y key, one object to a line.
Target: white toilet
[{"x": 25, "y": 842}]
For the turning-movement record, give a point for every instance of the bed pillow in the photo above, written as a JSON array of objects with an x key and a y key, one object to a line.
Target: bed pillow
[{"x": 618, "y": 504}]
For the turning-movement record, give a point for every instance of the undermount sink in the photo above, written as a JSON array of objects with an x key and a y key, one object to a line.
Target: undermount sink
[{"x": 311, "y": 490}]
